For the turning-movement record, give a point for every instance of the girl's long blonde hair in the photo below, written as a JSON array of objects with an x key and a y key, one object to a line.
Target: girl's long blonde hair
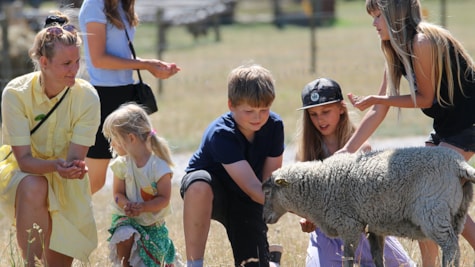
[
  {"x": 404, "y": 20},
  {"x": 310, "y": 143},
  {"x": 130, "y": 118},
  {"x": 111, "y": 9}
]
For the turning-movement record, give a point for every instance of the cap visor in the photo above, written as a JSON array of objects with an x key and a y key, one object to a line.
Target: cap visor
[{"x": 321, "y": 104}]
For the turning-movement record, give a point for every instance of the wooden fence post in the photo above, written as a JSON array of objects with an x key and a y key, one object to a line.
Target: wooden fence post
[
  {"x": 161, "y": 42},
  {"x": 443, "y": 13},
  {"x": 6, "y": 71},
  {"x": 313, "y": 37},
  {"x": 215, "y": 21}
]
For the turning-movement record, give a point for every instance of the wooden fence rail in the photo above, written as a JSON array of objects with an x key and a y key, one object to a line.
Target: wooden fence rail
[{"x": 196, "y": 15}]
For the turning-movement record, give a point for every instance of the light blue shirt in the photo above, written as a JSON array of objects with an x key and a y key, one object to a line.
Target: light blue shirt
[{"x": 116, "y": 44}]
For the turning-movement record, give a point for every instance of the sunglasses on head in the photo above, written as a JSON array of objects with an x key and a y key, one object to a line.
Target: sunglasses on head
[{"x": 58, "y": 30}]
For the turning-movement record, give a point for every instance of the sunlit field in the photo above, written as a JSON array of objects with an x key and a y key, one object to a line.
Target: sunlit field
[{"x": 347, "y": 51}]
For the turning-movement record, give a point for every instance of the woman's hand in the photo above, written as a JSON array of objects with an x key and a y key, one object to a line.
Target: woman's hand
[
  {"x": 162, "y": 70},
  {"x": 307, "y": 226},
  {"x": 75, "y": 169}
]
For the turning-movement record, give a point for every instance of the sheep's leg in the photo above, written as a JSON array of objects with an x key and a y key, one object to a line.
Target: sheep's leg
[
  {"x": 450, "y": 252},
  {"x": 376, "y": 244},
  {"x": 441, "y": 230},
  {"x": 348, "y": 254},
  {"x": 350, "y": 243}
]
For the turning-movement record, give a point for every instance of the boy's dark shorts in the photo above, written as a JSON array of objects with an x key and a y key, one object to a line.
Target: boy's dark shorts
[
  {"x": 111, "y": 98},
  {"x": 242, "y": 218},
  {"x": 464, "y": 140},
  {"x": 220, "y": 201}
]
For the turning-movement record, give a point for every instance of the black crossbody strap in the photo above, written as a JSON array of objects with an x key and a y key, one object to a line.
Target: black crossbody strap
[
  {"x": 131, "y": 46},
  {"x": 49, "y": 112},
  {"x": 42, "y": 120}
]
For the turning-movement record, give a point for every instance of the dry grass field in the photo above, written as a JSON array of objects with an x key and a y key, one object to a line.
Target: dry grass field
[
  {"x": 218, "y": 251},
  {"x": 347, "y": 51}
]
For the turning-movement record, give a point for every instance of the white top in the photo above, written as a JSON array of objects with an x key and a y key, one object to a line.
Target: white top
[{"x": 141, "y": 185}]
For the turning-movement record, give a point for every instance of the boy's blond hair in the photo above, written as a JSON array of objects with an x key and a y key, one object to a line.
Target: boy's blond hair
[{"x": 251, "y": 84}]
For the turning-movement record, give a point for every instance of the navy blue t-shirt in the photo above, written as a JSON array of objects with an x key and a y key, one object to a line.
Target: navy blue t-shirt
[{"x": 223, "y": 143}]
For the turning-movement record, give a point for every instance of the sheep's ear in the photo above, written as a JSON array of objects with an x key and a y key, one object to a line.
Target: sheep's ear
[{"x": 281, "y": 182}]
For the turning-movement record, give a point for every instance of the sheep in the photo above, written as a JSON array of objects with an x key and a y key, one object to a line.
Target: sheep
[{"x": 417, "y": 193}]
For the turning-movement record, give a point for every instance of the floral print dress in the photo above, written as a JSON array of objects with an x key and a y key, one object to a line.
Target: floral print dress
[{"x": 152, "y": 245}]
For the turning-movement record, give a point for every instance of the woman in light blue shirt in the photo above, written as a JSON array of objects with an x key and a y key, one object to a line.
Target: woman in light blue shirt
[{"x": 110, "y": 65}]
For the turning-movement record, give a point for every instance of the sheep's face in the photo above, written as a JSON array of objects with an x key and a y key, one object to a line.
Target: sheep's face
[{"x": 273, "y": 210}]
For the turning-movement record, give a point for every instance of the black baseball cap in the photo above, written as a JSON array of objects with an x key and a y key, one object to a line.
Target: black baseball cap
[{"x": 321, "y": 91}]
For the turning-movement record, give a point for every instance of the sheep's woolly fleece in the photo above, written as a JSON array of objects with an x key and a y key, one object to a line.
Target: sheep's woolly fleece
[{"x": 408, "y": 192}]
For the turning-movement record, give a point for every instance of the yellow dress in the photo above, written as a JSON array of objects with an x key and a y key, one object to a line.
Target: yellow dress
[{"x": 74, "y": 121}]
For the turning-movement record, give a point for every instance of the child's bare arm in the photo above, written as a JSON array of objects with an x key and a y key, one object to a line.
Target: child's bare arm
[
  {"x": 120, "y": 198},
  {"x": 162, "y": 199},
  {"x": 271, "y": 164},
  {"x": 242, "y": 173},
  {"x": 118, "y": 191}
]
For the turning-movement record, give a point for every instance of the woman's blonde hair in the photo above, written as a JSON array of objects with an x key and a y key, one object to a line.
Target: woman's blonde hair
[
  {"x": 130, "y": 118},
  {"x": 404, "y": 20},
  {"x": 310, "y": 143},
  {"x": 111, "y": 9},
  {"x": 46, "y": 40}
]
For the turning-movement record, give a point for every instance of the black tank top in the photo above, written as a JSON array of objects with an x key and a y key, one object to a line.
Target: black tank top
[{"x": 450, "y": 120}]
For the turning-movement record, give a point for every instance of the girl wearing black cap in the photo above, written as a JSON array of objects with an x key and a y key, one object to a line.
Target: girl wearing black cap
[{"x": 326, "y": 127}]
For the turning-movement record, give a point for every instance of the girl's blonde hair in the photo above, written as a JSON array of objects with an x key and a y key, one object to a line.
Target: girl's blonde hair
[
  {"x": 404, "y": 20},
  {"x": 310, "y": 144},
  {"x": 130, "y": 118},
  {"x": 46, "y": 40},
  {"x": 111, "y": 9}
]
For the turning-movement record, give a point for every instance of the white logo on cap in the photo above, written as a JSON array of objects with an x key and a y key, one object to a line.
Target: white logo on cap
[{"x": 314, "y": 96}]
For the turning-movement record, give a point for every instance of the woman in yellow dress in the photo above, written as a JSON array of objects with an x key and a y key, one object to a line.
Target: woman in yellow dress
[{"x": 44, "y": 186}]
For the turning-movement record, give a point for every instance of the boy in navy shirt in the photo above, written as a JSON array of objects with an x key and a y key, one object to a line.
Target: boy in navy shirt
[{"x": 238, "y": 151}]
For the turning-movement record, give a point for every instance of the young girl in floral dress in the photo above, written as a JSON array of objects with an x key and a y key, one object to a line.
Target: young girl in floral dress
[{"x": 141, "y": 189}]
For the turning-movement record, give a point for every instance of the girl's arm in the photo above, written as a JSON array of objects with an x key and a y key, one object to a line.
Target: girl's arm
[
  {"x": 96, "y": 41},
  {"x": 162, "y": 199},
  {"x": 368, "y": 125},
  {"x": 118, "y": 191},
  {"x": 423, "y": 63}
]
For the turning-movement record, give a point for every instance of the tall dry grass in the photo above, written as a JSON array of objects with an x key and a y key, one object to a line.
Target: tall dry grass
[
  {"x": 218, "y": 251},
  {"x": 347, "y": 52}
]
